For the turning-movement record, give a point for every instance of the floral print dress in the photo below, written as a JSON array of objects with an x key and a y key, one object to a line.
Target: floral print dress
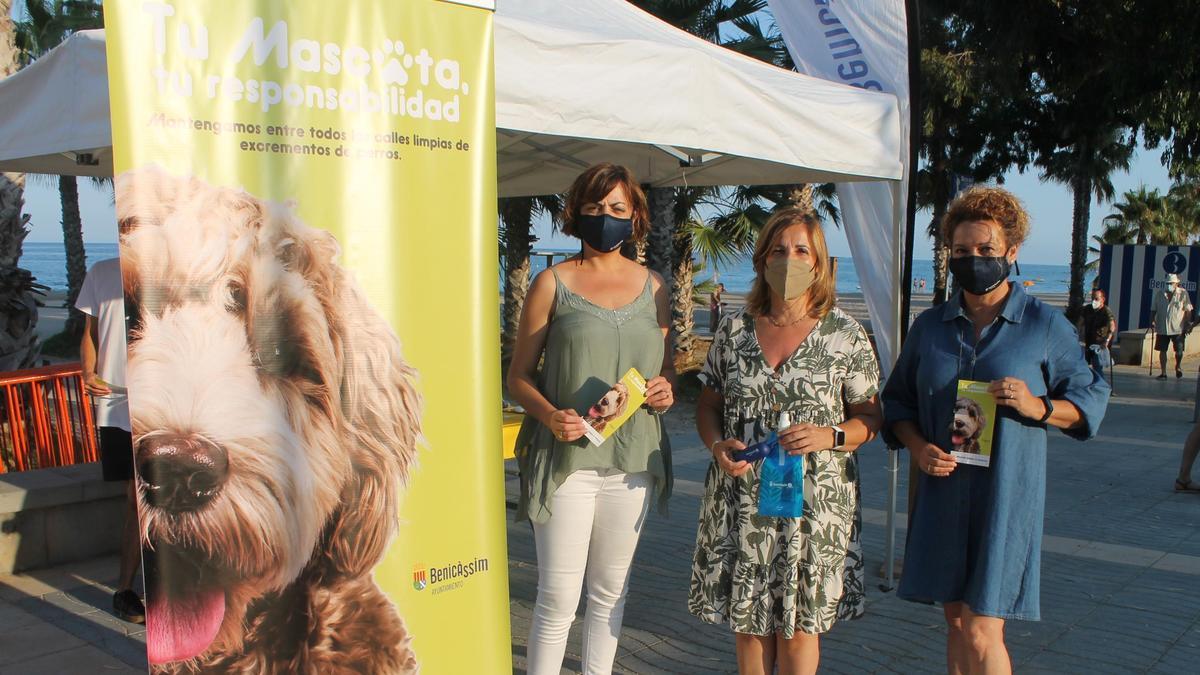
[{"x": 767, "y": 575}]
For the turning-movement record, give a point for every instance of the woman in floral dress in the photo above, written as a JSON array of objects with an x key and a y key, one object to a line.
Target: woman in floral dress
[{"x": 781, "y": 582}]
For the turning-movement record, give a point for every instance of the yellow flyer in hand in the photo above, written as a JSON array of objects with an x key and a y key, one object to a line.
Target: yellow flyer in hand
[
  {"x": 617, "y": 405},
  {"x": 973, "y": 423}
]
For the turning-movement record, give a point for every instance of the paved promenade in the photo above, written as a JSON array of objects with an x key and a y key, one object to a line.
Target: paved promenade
[{"x": 1120, "y": 575}]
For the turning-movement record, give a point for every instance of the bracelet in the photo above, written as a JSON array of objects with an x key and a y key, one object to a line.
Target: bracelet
[{"x": 658, "y": 413}]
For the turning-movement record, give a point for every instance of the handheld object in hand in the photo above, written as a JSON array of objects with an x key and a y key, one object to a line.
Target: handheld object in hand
[{"x": 753, "y": 453}]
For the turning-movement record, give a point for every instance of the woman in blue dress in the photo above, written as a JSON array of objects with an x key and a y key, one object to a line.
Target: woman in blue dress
[{"x": 975, "y": 532}]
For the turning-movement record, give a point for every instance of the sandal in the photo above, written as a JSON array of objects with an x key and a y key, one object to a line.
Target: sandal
[{"x": 1189, "y": 486}]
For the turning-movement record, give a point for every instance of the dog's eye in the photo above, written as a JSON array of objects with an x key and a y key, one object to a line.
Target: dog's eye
[
  {"x": 133, "y": 316},
  {"x": 278, "y": 353},
  {"x": 237, "y": 298}
]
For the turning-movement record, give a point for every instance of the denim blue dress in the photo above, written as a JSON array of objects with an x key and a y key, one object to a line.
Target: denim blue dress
[{"x": 976, "y": 535}]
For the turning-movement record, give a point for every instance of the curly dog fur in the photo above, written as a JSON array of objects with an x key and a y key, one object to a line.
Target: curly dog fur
[
  {"x": 967, "y": 425},
  {"x": 255, "y": 357}
]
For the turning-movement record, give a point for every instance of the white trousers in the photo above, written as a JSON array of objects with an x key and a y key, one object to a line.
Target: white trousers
[{"x": 597, "y": 518}]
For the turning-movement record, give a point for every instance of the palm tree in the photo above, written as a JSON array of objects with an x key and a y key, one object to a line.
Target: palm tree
[
  {"x": 1184, "y": 199},
  {"x": 683, "y": 302},
  {"x": 18, "y": 306},
  {"x": 1139, "y": 213},
  {"x": 1147, "y": 217},
  {"x": 669, "y": 248},
  {"x": 47, "y": 23},
  {"x": 516, "y": 243},
  {"x": 1114, "y": 233},
  {"x": 659, "y": 246},
  {"x": 1085, "y": 164}
]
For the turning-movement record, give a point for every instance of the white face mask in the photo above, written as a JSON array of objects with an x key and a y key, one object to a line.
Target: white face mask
[{"x": 1095, "y": 304}]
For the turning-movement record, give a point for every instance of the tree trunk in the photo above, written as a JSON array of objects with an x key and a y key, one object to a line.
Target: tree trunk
[
  {"x": 941, "y": 271},
  {"x": 800, "y": 196},
  {"x": 635, "y": 251},
  {"x": 682, "y": 303},
  {"x": 18, "y": 307},
  {"x": 1079, "y": 232},
  {"x": 72, "y": 225},
  {"x": 662, "y": 226},
  {"x": 517, "y": 213},
  {"x": 941, "y": 199}
]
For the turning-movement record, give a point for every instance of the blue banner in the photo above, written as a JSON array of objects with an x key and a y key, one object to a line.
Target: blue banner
[{"x": 1129, "y": 275}]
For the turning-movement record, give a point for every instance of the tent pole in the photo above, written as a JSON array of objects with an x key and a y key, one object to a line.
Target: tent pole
[{"x": 914, "y": 149}]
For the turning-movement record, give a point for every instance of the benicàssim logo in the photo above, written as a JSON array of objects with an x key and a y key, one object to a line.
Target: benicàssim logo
[{"x": 420, "y": 577}]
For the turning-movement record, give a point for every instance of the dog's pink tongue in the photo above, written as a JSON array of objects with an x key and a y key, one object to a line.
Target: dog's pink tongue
[{"x": 179, "y": 629}]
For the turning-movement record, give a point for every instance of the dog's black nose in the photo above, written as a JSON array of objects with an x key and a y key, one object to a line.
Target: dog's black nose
[{"x": 181, "y": 473}]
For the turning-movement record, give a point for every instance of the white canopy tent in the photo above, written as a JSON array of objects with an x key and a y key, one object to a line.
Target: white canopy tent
[
  {"x": 576, "y": 83},
  {"x": 599, "y": 80}
]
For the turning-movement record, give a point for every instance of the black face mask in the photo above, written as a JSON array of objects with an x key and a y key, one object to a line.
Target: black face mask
[
  {"x": 603, "y": 232},
  {"x": 977, "y": 274}
]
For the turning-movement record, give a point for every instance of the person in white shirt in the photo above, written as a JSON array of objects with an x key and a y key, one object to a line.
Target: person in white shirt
[
  {"x": 102, "y": 351},
  {"x": 1169, "y": 311}
]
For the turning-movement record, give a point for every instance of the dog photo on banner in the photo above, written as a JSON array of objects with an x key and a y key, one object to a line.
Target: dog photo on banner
[
  {"x": 285, "y": 176},
  {"x": 276, "y": 422}
]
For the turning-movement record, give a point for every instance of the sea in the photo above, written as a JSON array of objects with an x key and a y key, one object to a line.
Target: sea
[
  {"x": 48, "y": 260},
  {"x": 739, "y": 275},
  {"x": 48, "y": 263}
]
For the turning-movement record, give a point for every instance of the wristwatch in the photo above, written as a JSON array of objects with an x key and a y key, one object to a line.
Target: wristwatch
[
  {"x": 839, "y": 437},
  {"x": 1049, "y": 408}
]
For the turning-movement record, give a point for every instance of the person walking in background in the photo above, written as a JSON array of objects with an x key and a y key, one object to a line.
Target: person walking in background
[
  {"x": 102, "y": 352},
  {"x": 1168, "y": 312},
  {"x": 592, "y": 318},
  {"x": 1097, "y": 326},
  {"x": 1191, "y": 448},
  {"x": 975, "y": 532},
  {"x": 780, "y": 582},
  {"x": 715, "y": 306}
]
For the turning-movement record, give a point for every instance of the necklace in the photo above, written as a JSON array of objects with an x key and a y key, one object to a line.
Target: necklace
[{"x": 784, "y": 324}]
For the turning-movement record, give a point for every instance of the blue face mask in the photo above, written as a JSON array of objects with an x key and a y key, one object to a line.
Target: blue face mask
[
  {"x": 603, "y": 232},
  {"x": 979, "y": 274}
]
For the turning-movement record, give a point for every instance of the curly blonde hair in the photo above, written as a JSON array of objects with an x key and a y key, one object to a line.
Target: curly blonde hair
[{"x": 987, "y": 203}]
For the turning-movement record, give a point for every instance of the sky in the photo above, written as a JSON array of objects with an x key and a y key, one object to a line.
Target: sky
[{"x": 1049, "y": 205}]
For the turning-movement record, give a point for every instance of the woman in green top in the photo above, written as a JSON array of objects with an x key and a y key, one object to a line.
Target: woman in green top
[{"x": 587, "y": 502}]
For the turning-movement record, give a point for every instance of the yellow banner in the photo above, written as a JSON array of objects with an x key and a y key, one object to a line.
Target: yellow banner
[{"x": 306, "y": 200}]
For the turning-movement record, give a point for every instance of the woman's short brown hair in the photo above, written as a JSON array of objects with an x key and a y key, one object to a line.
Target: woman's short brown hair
[
  {"x": 822, "y": 296},
  {"x": 987, "y": 203},
  {"x": 594, "y": 185}
]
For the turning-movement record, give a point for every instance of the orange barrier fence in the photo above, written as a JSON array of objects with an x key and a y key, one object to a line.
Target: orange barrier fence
[{"x": 46, "y": 419}]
